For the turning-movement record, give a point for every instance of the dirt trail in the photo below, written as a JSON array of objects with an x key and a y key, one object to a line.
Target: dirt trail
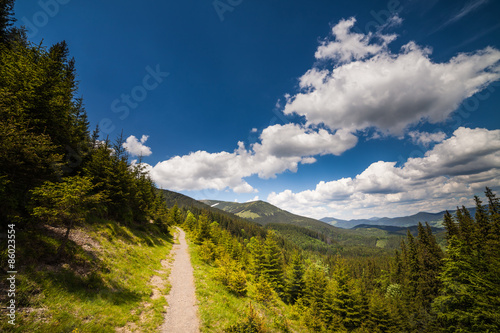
[{"x": 181, "y": 316}]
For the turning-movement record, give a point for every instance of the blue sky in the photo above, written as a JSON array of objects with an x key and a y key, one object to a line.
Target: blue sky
[{"x": 323, "y": 108}]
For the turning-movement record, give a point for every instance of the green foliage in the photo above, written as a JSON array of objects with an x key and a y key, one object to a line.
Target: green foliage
[
  {"x": 343, "y": 305},
  {"x": 231, "y": 274},
  {"x": 264, "y": 290},
  {"x": 252, "y": 323},
  {"x": 203, "y": 230},
  {"x": 107, "y": 279},
  {"x": 272, "y": 267},
  {"x": 207, "y": 250},
  {"x": 65, "y": 203},
  {"x": 295, "y": 278},
  {"x": 469, "y": 299},
  {"x": 190, "y": 221},
  {"x": 174, "y": 215}
]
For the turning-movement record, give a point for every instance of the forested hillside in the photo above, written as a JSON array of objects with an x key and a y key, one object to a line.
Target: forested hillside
[
  {"x": 311, "y": 233},
  {"x": 421, "y": 289},
  {"x": 74, "y": 211}
]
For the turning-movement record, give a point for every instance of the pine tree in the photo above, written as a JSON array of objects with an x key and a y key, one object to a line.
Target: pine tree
[
  {"x": 174, "y": 215},
  {"x": 295, "y": 278},
  {"x": 450, "y": 225},
  {"x": 65, "y": 203},
  {"x": 190, "y": 221},
  {"x": 430, "y": 256},
  {"x": 257, "y": 256},
  {"x": 315, "y": 295},
  {"x": 203, "y": 231},
  {"x": 273, "y": 264},
  {"x": 470, "y": 296},
  {"x": 6, "y": 19},
  {"x": 344, "y": 304}
]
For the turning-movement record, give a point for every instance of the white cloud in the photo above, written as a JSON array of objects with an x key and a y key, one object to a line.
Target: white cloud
[
  {"x": 425, "y": 138},
  {"x": 136, "y": 147},
  {"x": 254, "y": 130},
  {"x": 281, "y": 148},
  {"x": 256, "y": 198},
  {"x": 350, "y": 46},
  {"x": 294, "y": 140},
  {"x": 369, "y": 86},
  {"x": 446, "y": 176}
]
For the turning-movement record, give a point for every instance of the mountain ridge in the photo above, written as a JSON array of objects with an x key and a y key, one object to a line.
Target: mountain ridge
[{"x": 434, "y": 220}]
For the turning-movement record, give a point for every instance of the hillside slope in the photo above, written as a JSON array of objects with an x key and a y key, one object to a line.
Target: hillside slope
[
  {"x": 262, "y": 212},
  {"x": 275, "y": 218}
]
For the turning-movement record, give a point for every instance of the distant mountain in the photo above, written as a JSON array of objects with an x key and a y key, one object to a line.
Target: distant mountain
[
  {"x": 183, "y": 201},
  {"x": 434, "y": 220},
  {"x": 300, "y": 229},
  {"x": 397, "y": 230},
  {"x": 262, "y": 213}
]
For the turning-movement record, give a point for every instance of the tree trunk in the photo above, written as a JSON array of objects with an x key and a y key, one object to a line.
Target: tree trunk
[{"x": 61, "y": 248}]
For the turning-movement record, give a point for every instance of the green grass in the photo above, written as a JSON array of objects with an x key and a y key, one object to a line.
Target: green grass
[
  {"x": 382, "y": 243},
  {"x": 248, "y": 215},
  {"x": 96, "y": 291}
]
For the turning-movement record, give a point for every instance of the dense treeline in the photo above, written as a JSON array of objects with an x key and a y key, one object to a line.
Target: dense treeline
[
  {"x": 52, "y": 169},
  {"x": 423, "y": 288}
]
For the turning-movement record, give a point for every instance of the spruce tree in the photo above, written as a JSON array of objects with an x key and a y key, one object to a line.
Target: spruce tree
[
  {"x": 344, "y": 304},
  {"x": 273, "y": 264},
  {"x": 470, "y": 293},
  {"x": 295, "y": 278},
  {"x": 257, "y": 256},
  {"x": 190, "y": 221},
  {"x": 203, "y": 231}
]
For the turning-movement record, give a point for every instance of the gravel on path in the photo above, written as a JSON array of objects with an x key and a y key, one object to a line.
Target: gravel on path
[{"x": 182, "y": 311}]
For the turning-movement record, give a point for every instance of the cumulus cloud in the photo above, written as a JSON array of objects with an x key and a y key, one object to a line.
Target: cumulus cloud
[
  {"x": 449, "y": 173},
  {"x": 349, "y": 46},
  {"x": 281, "y": 148},
  {"x": 369, "y": 86},
  {"x": 425, "y": 138},
  {"x": 256, "y": 198},
  {"x": 295, "y": 140},
  {"x": 136, "y": 147}
]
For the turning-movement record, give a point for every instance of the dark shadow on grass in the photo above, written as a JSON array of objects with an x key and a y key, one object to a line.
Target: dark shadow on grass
[{"x": 150, "y": 234}]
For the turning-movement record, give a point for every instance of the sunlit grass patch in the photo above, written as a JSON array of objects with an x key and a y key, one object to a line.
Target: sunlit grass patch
[{"x": 95, "y": 290}]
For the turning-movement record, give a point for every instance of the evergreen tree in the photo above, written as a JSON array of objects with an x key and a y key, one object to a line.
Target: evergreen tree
[
  {"x": 273, "y": 264},
  {"x": 6, "y": 19},
  {"x": 315, "y": 296},
  {"x": 450, "y": 225},
  {"x": 470, "y": 294},
  {"x": 65, "y": 203},
  {"x": 190, "y": 221},
  {"x": 295, "y": 278},
  {"x": 203, "y": 231},
  {"x": 257, "y": 256},
  {"x": 344, "y": 304},
  {"x": 174, "y": 215},
  {"x": 430, "y": 256}
]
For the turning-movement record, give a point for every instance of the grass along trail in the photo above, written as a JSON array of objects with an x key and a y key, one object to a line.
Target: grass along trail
[{"x": 182, "y": 312}]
